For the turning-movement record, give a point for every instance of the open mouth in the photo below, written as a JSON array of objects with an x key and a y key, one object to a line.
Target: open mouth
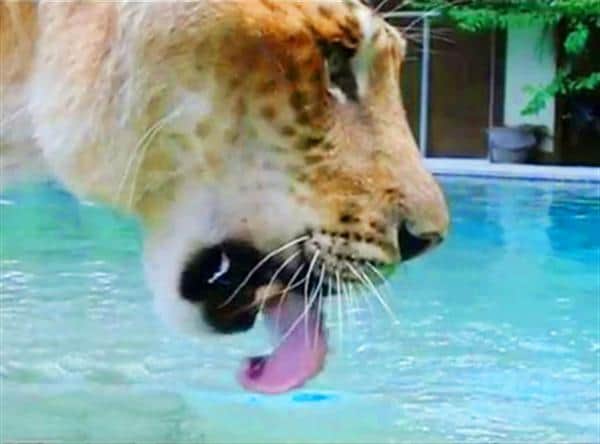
[{"x": 232, "y": 282}]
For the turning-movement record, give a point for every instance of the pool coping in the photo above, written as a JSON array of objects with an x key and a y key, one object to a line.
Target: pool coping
[{"x": 482, "y": 168}]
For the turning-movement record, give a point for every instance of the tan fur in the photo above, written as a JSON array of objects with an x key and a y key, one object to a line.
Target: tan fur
[{"x": 138, "y": 104}]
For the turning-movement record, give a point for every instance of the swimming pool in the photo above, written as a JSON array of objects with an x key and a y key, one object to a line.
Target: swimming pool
[{"x": 496, "y": 336}]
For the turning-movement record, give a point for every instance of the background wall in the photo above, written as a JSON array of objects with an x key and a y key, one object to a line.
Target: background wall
[{"x": 530, "y": 61}]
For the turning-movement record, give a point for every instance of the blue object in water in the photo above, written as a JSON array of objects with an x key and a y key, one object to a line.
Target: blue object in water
[{"x": 311, "y": 397}]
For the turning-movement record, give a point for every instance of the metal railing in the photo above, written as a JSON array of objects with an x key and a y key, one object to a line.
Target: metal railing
[{"x": 425, "y": 19}]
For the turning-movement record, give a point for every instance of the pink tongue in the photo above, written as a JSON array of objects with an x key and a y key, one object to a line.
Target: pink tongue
[{"x": 299, "y": 356}]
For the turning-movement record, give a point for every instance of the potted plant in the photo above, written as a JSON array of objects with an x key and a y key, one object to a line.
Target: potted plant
[{"x": 514, "y": 144}]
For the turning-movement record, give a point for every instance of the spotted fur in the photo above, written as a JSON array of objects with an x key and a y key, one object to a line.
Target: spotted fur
[{"x": 257, "y": 120}]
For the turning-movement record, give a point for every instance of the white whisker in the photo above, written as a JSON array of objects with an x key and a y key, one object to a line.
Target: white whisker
[
  {"x": 330, "y": 296},
  {"x": 365, "y": 279},
  {"x": 147, "y": 136},
  {"x": 285, "y": 291},
  {"x": 369, "y": 306},
  {"x": 302, "y": 315},
  {"x": 143, "y": 149},
  {"x": 375, "y": 291},
  {"x": 345, "y": 305},
  {"x": 339, "y": 309},
  {"x": 260, "y": 264},
  {"x": 297, "y": 284},
  {"x": 380, "y": 6},
  {"x": 277, "y": 273},
  {"x": 384, "y": 280},
  {"x": 284, "y": 294},
  {"x": 319, "y": 290},
  {"x": 329, "y": 292},
  {"x": 350, "y": 305},
  {"x": 354, "y": 296},
  {"x": 306, "y": 287},
  {"x": 318, "y": 320}
]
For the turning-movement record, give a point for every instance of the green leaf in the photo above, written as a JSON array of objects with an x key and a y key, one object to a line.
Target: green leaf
[
  {"x": 589, "y": 82},
  {"x": 577, "y": 39},
  {"x": 582, "y": 17}
]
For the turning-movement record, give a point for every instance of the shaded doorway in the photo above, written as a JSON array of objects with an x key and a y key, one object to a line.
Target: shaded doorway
[{"x": 461, "y": 99}]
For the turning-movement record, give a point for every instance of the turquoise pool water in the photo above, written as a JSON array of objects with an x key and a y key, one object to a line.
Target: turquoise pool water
[{"x": 497, "y": 336}]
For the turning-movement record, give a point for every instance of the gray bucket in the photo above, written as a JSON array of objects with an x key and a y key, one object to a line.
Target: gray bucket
[{"x": 510, "y": 145}]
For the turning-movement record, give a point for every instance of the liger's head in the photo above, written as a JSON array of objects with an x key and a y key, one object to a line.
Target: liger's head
[{"x": 271, "y": 149}]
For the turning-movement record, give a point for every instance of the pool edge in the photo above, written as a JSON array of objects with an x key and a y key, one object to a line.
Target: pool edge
[{"x": 482, "y": 168}]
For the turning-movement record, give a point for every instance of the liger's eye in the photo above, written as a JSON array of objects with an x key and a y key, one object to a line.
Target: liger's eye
[{"x": 338, "y": 59}]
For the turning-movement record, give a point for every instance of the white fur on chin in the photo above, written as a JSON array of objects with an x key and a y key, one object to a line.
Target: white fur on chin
[{"x": 204, "y": 215}]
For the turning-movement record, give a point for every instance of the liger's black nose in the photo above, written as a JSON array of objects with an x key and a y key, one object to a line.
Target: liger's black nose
[{"x": 412, "y": 246}]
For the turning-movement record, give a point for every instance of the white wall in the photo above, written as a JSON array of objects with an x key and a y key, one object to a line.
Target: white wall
[{"x": 530, "y": 60}]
